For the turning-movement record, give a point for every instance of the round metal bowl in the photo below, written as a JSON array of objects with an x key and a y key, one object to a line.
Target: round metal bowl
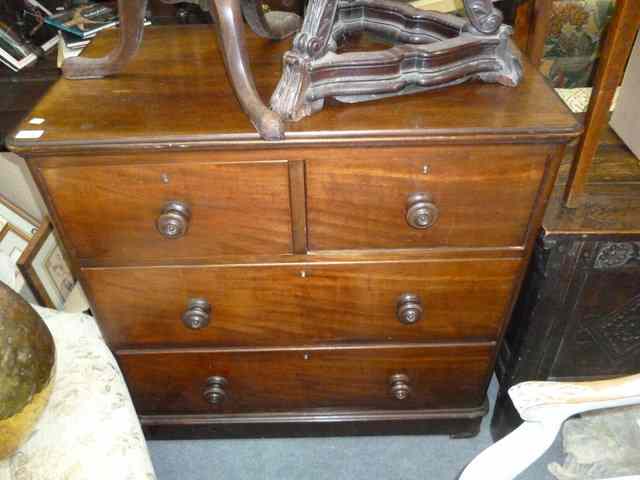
[{"x": 27, "y": 366}]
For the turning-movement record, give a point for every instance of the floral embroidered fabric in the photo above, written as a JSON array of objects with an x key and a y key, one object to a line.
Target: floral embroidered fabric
[
  {"x": 574, "y": 39},
  {"x": 90, "y": 429}
]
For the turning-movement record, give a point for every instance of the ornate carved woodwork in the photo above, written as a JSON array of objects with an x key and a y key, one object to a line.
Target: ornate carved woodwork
[
  {"x": 578, "y": 317},
  {"x": 616, "y": 254},
  {"x": 430, "y": 50}
]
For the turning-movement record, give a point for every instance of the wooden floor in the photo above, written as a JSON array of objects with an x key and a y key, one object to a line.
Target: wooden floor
[{"x": 613, "y": 194}]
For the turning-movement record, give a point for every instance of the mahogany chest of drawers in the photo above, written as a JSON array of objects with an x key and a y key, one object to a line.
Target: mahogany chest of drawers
[{"x": 355, "y": 277}]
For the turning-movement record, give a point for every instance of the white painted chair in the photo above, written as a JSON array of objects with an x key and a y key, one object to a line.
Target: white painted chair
[{"x": 544, "y": 406}]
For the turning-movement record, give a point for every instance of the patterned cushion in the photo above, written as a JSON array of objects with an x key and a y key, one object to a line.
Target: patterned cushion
[
  {"x": 90, "y": 429},
  {"x": 573, "y": 42}
]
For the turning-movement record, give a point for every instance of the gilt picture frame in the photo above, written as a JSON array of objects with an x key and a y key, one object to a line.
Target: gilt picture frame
[
  {"x": 17, "y": 228},
  {"x": 16, "y": 217},
  {"x": 45, "y": 268}
]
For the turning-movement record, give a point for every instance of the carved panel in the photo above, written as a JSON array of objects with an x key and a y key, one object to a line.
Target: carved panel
[
  {"x": 618, "y": 333},
  {"x": 617, "y": 254}
]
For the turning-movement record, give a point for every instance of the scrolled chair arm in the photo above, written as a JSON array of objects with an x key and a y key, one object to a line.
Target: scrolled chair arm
[{"x": 544, "y": 406}]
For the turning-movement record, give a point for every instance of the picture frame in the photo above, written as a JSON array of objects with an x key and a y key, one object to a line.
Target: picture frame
[
  {"x": 18, "y": 218},
  {"x": 13, "y": 242},
  {"x": 17, "y": 228},
  {"x": 45, "y": 268}
]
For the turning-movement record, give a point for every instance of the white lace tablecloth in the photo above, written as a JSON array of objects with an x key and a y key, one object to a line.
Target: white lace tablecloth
[{"x": 89, "y": 430}]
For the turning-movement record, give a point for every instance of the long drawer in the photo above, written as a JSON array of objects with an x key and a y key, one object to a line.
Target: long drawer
[
  {"x": 454, "y": 300},
  {"x": 196, "y": 209},
  {"x": 463, "y": 196},
  {"x": 402, "y": 377}
]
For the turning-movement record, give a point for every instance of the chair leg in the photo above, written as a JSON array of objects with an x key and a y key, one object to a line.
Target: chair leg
[
  {"x": 234, "y": 51},
  {"x": 131, "y": 14},
  {"x": 619, "y": 41},
  {"x": 541, "y": 21}
]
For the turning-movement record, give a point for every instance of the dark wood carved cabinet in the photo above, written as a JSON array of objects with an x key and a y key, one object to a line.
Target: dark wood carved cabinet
[
  {"x": 578, "y": 316},
  {"x": 355, "y": 277}
]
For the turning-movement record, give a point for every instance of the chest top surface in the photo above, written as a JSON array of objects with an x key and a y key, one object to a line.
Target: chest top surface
[{"x": 175, "y": 94}]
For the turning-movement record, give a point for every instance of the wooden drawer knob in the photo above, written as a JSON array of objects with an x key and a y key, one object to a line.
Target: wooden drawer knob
[
  {"x": 173, "y": 221},
  {"x": 400, "y": 388},
  {"x": 421, "y": 211},
  {"x": 409, "y": 308},
  {"x": 197, "y": 314},
  {"x": 214, "y": 392}
]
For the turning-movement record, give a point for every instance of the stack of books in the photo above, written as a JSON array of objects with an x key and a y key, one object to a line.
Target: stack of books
[
  {"x": 84, "y": 21},
  {"x": 77, "y": 26},
  {"x": 27, "y": 35},
  {"x": 24, "y": 35}
]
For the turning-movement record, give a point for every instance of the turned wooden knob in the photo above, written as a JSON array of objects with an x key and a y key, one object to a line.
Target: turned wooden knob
[
  {"x": 409, "y": 308},
  {"x": 214, "y": 392},
  {"x": 421, "y": 211},
  {"x": 173, "y": 221},
  {"x": 400, "y": 388},
  {"x": 197, "y": 314}
]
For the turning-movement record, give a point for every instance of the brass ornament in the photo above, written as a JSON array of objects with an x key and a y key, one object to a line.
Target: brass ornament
[{"x": 27, "y": 367}]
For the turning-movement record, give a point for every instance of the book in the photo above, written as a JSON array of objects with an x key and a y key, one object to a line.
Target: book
[
  {"x": 14, "y": 51},
  {"x": 85, "y": 21},
  {"x": 7, "y": 64},
  {"x": 21, "y": 47},
  {"x": 37, "y": 32},
  {"x": 73, "y": 41}
]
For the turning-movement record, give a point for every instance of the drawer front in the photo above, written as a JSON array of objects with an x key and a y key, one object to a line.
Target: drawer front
[
  {"x": 406, "y": 377},
  {"x": 111, "y": 212},
  {"x": 285, "y": 305},
  {"x": 479, "y": 196}
]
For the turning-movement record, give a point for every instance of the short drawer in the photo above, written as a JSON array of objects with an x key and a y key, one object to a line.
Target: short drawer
[
  {"x": 406, "y": 377},
  {"x": 480, "y": 196},
  {"x": 452, "y": 300},
  {"x": 128, "y": 213}
]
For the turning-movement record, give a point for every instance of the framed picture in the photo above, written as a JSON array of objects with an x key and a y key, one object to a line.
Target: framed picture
[
  {"x": 12, "y": 243},
  {"x": 45, "y": 269},
  {"x": 17, "y": 228},
  {"x": 17, "y": 218}
]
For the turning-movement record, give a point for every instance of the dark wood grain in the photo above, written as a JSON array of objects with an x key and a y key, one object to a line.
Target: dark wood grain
[
  {"x": 457, "y": 423},
  {"x": 235, "y": 209},
  {"x": 187, "y": 101},
  {"x": 298, "y": 193},
  {"x": 20, "y": 91},
  {"x": 302, "y": 304},
  {"x": 610, "y": 207},
  {"x": 286, "y": 380},
  {"x": 300, "y": 245},
  {"x": 359, "y": 201}
]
